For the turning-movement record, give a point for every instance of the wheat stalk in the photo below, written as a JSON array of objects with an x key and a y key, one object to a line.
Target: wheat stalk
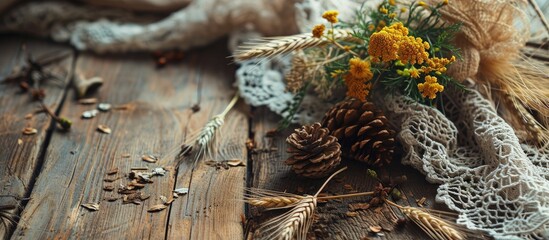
[
  {"x": 268, "y": 47},
  {"x": 436, "y": 227}
]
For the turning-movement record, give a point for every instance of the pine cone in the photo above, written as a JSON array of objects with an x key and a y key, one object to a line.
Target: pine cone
[
  {"x": 315, "y": 153},
  {"x": 362, "y": 131}
]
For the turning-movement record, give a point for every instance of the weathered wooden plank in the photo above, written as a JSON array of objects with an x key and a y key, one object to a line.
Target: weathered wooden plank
[
  {"x": 270, "y": 172},
  {"x": 213, "y": 207},
  {"x": 20, "y": 154},
  {"x": 158, "y": 108}
]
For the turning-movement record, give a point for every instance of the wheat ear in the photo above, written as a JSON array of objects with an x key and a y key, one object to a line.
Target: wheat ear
[
  {"x": 268, "y": 47},
  {"x": 436, "y": 227},
  {"x": 297, "y": 221}
]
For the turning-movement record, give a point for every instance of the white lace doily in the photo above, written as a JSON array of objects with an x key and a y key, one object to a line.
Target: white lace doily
[{"x": 485, "y": 174}]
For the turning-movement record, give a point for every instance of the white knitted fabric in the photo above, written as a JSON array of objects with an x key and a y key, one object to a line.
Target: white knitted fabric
[{"x": 485, "y": 174}]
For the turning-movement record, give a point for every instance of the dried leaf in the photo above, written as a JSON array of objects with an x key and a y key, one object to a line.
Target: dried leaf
[
  {"x": 159, "y": 171},
  {"x": 104, "y": 129},
  {"x": 91, "y": 206},
  {"x": 149, "y": 158},
  {"x": 181, "y": 191},
  {"x": 111, "y": 199},
  {"x": 19, "y": 141},
  {"x": 157, "y": 208},
  {"x": 87, "y": 101},
  {"x": 375, "y": 229},
  {"x": 29, "y": 131},
  {"x": 112, "y": 171},
  {"x": 108, "y": 188}
]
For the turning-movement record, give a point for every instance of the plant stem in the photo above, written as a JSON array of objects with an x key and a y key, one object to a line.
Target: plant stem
[
  {"x": 230, "y": 106},
  {"x": 346, "y": 195}
]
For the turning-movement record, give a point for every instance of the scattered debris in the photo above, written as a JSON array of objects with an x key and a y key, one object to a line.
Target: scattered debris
[
  {"x": 90, "y": 114},
  {"x": 104, "y": 107},
  {"x": 139, "y": 168},
  {"x": 163, "y": 198},
  {"x": 85, "y": 86},
  {"x": 375, "y": 229},
  {"x": 157, "y": 208},
  {"x": 250, "y": 144},
  {"x": 348, "y": 187},
  {"x": 88, "y": 101},
  {"x": 29, "y": 116},
  {"x": 195, "y": 108},
  {"x": 358, "y": 206},
  {"x": 421, "y": 201},
  {"x": 125, "y": 155},
  {"x": 236, "y": 163},
  {"x": 19, "y": 141},
  {"x": 226, "y": 164},
  {"x": 104, "y": 129},
  {"x": 108, "y": 188},
  {"x": 63, "y": 122},
  {"x": 181, "y": 191},
  {"x": 111, "y": 179},
  {"x": 149, "y": 158},
  {"x": 91, "y": 206},
  {"x": 111, "y": 199},
  {"x": 29, "y": 131},
  {"x": 164, "y": 57},
  {"x": 112, "y": 171},
  {"x": 351, "y": 214}
]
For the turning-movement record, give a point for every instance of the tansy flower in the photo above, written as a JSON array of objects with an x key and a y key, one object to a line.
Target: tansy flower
[
  {"x": 385, "y": 43},
  {"x": 403, "y": 10},
  {"x": 422, "y": 3},
  {"x": 392, "y": 2},
  {"x": 392, "y": 15},
  {"x": 371, "y": 27},
  {"x": 430, "y": 88},
  {"x": 359, "y": 68},
  {"x": 356, "y": 88},
  {"x": 330, "y": 15},
  {"x": 412, "y": 50},
  {"x": 318, "y": 30},
  {"x": 445, "y": 2},
  {"x": 414, "y": 72},
  {"x": 437, "y": 64},
  {"x": 383, "y": 10}
]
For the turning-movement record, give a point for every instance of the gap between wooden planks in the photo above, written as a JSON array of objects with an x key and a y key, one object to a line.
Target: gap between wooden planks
[
  {"x": 158, "y": 116},
  {"x": 21, "y": 156}
]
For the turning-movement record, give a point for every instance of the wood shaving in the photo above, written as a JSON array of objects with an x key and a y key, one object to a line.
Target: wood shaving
[
  {"x": 29, "y": 131},
  {"x": 235, "y": 163},
  {"x": 157, "y": 208},
  {"x": 125, "y": 155},
  {"x": 91, "y": 206},
  {"x": 104, "y": 129}
]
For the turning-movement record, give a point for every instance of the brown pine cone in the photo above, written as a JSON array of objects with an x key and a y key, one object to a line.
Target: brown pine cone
[
  {"x": 315, "y": 153},
  {"x": 362, "y": 131}
]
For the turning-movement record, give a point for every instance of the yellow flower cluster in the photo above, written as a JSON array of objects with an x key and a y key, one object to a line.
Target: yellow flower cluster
[
  {"x": 383, "y": 10},
  {"x": 330, "y": 16},
  {"x": 318, "y": 30},
  {"x": 412, "y": 50},
  {"x": 393, "y": 43},
  {"x": 359, "y": 74},
  {"x": 437, "y": 65},
  {"x": 430, "y": 88}
]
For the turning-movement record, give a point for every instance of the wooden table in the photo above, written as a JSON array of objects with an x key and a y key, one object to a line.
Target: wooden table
[{"x": 59, "y": 171}]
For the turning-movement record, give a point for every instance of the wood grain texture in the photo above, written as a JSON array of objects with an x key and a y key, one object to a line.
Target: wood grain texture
[
  {"x": 20, "y": 161},
  {"x": 213, "y": 207},
  {"x": 332, "y": 222},
  {"x": 158, "y": 112}
]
